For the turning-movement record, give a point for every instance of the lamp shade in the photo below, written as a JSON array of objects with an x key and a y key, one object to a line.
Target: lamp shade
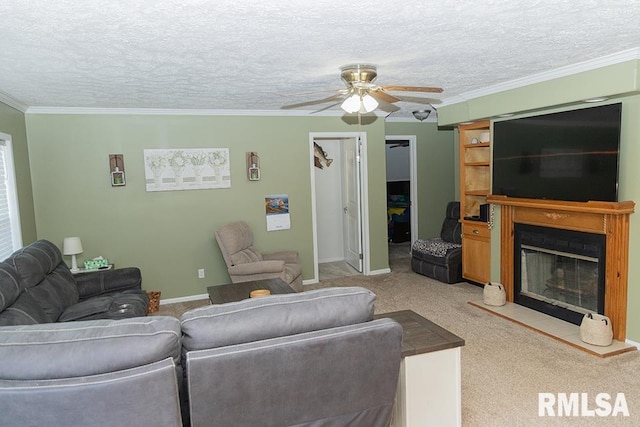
[
  {"x": 369, "y": 103},
  {"x": 351, "y": 104},
  {"x": 72, "y": 246}
]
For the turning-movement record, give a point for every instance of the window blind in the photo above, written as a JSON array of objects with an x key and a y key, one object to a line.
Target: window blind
[{"x": 10, "y": 239}]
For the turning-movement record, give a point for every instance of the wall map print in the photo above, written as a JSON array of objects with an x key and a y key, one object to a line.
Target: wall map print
[{"x": 186, "y": 169}]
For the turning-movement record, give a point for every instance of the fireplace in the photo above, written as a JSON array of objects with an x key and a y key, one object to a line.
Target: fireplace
[
  {"x": 559, "y": 272},
  {"x": 609, "y": 220}
]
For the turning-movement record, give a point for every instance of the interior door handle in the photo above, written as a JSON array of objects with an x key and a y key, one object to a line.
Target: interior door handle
[{"x": 344, "y": 209}]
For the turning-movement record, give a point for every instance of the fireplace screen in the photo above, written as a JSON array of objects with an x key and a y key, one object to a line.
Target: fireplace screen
[
  {"x": 560, "y": 272},
  {"x": 560, "y": 278}
]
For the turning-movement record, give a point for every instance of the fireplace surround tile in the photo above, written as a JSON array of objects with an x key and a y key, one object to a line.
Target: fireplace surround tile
[{"x": 560, "y": 330}]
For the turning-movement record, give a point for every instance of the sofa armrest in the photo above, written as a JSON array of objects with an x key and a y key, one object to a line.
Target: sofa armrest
[
  {"x": 256, "y": 268},
  {"x": 107, "y": 281},
  {"x": 289, "y": 257}
]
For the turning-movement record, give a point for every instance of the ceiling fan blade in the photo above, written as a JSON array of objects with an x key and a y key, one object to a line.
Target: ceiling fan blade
[
  {"x": 328, "y": 106},
  {"x": 385, "y": 106},
  {"x": 412, "y": 88},
  {"x": 314, "y": 102},
  {"x": 381, "y": 96},
  {"x": 419, "y": 100},
  {"x": 313, "y": 92}
]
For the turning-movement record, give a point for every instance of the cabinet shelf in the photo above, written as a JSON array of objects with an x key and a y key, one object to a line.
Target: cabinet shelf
[{"x": 475, "y": 183}]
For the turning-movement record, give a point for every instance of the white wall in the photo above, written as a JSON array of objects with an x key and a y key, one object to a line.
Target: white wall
[
  {"x": 397, "y": 163},
  {"x": 329, "y": 204}
]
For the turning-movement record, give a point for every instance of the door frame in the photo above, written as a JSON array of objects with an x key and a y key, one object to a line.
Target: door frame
[
  {"x": 364, "y": 194},
  {"x": 413, "y": 180}
]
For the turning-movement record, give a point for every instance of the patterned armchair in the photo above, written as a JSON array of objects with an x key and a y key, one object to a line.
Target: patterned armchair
[{"x": 441, "y": 257}]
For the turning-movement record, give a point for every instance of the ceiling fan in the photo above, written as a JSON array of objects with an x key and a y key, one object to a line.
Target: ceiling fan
[{"x": 362, "y": 95}]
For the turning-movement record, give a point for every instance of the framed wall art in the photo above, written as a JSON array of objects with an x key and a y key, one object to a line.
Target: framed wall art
[{"x": 186, "y": 169}]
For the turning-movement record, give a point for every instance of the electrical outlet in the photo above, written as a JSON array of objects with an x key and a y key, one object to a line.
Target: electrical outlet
[{"x": 201, "y": 273}]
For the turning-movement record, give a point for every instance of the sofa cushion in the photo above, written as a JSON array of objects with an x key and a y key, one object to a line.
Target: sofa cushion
[
  {"x": 247, "y": 255},
  {"x": 35, "y": 261},
  {"x": 451, "y": 228},
  {"x": 10, "y": 286},
  {"x": 55, "y": 293},
  {"x": 24, "y": 311},
  {"x": 65, "y": 350},
  {"x": 275, "y": 316},
  {"x": 46, "y": 277}
]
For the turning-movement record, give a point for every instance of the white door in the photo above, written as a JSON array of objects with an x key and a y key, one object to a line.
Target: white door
[{"x": 352, "y": 203}]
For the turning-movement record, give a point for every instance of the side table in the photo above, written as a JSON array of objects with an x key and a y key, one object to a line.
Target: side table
[{"x": 429, "y": 385}]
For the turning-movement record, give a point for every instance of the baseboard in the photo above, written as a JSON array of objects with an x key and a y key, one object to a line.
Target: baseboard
[
  {"x": 324, "y": 261},
  {"x": 637, "y": 345},
  {"x": 183, "y": 299},
  {"x": 382, "y": 271}
]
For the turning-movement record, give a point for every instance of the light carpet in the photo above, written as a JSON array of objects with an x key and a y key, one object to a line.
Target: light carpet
[{"x": 504, "y": 365}]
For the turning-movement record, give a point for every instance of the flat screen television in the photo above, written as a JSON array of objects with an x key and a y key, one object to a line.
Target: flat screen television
[{"x": 571, "y": 155}]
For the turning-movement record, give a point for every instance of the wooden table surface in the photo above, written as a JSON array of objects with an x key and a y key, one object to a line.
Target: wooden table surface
[
  {"x": 239, "y": 291},
  {"x": 421, "y": 335}
]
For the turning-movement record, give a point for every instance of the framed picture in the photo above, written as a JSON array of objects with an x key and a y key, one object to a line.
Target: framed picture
[{"x": 186, "y": 169}]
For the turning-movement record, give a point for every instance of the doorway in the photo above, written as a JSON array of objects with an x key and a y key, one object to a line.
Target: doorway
[
  {"x": 402, "y": 194},
  {"x": 340, "y": 219}
]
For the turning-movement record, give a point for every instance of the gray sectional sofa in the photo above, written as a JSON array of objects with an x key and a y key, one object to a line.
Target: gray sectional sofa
[{"x": 314, "y": 358}]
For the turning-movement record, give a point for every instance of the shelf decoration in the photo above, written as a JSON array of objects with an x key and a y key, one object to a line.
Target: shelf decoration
[
  {"x": 116, "y": 168},
  {"x": 253, "y": 166},
  {"x": 186, "y": 169}
]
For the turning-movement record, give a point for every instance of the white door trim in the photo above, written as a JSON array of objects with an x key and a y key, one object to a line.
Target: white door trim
[
  {"x": 364, "y": 192},
  {"x": 413, "y": 177}
]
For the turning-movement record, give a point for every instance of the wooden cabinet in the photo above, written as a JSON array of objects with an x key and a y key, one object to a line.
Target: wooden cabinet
[
  {"x": 476, "y": 251},
  {"x": 475, "y": 186}
]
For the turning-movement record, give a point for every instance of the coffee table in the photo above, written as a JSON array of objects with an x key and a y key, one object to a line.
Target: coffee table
[{"x": 239, "y": 291}]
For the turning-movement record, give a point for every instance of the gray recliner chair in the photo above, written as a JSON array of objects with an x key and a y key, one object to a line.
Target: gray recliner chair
[
  {"x": 441, "y": 257},
  {"x": 246, "y": 263}
]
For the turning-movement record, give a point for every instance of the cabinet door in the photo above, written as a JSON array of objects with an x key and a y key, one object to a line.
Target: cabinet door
[{"x": 476, "y": 253}]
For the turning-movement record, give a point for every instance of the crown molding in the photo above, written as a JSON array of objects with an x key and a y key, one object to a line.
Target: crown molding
[
  {"x": 12, "y": 102},
  {"x": 568, "y": 70},
  {"x": 189, "y": 112},
  {"x": 176, "y": 112}
]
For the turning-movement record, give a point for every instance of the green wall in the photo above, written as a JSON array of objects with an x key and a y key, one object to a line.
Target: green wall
[
  {"x": 169, "y": 235},
  {"x": 12, "y": 122},
  {"x": 436, "y": 175},
  {"x": 619, "y": 82}
]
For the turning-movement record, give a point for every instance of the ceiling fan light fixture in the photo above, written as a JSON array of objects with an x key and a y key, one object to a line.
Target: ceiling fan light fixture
[
  {"x": 421, "y": 114},
  {"x": 368, "y": 103},
  {"x": 351, "y": 104}
]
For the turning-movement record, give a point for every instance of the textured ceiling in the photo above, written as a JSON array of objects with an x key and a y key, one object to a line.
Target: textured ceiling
[{"x": 248, "y": 55}]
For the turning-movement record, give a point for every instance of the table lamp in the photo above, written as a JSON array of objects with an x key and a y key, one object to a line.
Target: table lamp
[{"x": 72, "y": 246}]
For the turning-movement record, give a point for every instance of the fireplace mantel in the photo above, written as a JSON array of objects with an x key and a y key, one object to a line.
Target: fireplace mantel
[{"x": 608, "y": 218}]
